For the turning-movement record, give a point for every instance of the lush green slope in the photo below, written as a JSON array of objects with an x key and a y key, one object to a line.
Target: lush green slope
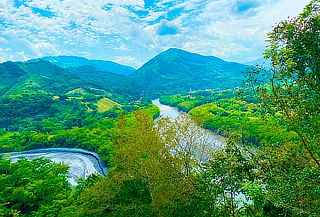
[
  {"x": 239, "y": 117},
  {"x": 10, "y": 73},
  {"x": 17, "y": 78},
  {"x": 37, "y": 76},
  {"x": 109, "y": 81},
  {"x": 176, "y": 69},
  {"x": 100, "y": 65}
]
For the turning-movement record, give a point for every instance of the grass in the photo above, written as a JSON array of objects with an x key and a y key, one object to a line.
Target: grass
[
  {"x": 106, "y": 104},
  {"x": 77, "y": 91}
]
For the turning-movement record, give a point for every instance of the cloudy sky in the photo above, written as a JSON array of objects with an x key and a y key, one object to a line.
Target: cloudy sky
[{"x": 132, "y": 31}]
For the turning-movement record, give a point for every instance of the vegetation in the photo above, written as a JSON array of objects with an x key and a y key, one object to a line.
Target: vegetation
[
  {"x": 106, "y": 104},
  {"x": 42, "y": 76},
  {"x": 33, "y": 188},
  {"x": 293, "y": 88}
]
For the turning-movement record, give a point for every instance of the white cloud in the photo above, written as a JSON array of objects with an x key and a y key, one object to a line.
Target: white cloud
[
  {"x": 216, "y": 29},
  {"x": 5, "y": 4},
  {"x": 210, "y": 27},
  {"x": 43, "y": 49},
  {"x": 128, "y": 60},
  {"x": 7, "y": 55}
]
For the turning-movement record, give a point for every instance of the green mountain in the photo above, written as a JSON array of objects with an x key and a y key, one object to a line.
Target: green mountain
[
  {"x": 38, "y": 76},
  {"x": 171, "y": 71},
  {"x": 42, "y": 76},
  {"x": 177, "y": 70},
  {"x": 107, "y": 80},
  {"x": 10, "y": 73},
  {"x": 100, "y": 65}
]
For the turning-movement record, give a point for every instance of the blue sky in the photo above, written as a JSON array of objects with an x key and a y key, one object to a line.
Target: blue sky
[{"x": 133, "y": 31}]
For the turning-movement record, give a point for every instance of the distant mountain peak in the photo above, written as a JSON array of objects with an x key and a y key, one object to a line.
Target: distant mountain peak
[
  {"x": 176, "y": 69},
  {"x": 178, "y": 51},
  {"x": 75, "y": 61},
  {"x": 173, "y": 49}
]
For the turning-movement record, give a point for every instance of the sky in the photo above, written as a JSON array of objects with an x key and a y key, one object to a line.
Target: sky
[{"x": 131, "y": 32}]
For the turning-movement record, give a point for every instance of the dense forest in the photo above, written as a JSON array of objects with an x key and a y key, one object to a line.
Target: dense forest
[{"x": 270, "y": 165}]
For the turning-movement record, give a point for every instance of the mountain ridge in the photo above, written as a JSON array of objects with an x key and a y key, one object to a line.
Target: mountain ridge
[
  {"x": 75, "y": 61},
  {"x": 171, "y": 71},
  {"x": 182, "y": 70}
]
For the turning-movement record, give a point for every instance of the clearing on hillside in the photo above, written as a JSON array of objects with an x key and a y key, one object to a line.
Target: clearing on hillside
[{"x": 106, "y": 104}]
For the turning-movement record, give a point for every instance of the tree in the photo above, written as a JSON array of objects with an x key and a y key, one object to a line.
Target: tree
[
  {"x": 155, "y": 171},
  {"x": 291, "y": 91},
  {"x": 292, "y": 86},
  {"x": 33, "y": 188}
]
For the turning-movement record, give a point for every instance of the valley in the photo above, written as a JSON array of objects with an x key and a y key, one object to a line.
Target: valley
[{"x": 180, "y": 134}]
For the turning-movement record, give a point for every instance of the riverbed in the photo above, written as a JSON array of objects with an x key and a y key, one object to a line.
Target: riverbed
[{"x": 82, "y": 163}]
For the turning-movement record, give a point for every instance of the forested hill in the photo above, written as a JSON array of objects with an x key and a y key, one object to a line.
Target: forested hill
[
  {"x": 99, "y": 65},
  {"x": 177, "y": 69},
  {"x": 42, "y": 76}
]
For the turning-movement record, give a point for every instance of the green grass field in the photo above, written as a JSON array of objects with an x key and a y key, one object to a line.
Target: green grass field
[{"x": 106, "y": 104}]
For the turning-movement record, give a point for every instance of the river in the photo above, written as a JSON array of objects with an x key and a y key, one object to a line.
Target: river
[
  {"x": 205, "y": 141},
  {"x": 166, "y": 111},
  {"x": 82, "y": 163},
  {"x": 188, "y": 132}
]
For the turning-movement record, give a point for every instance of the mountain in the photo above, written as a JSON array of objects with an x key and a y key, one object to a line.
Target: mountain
[
  {"x": 37, "y": 76},
  {"x": 43, "y": 76},
  {"x": 178, "y": 70},
  {"x": 107, "y": 80},
  {"x": 261, "y": 62},
  {"x": 10, "y": 73},
  {"x": 100, "y": 65}
]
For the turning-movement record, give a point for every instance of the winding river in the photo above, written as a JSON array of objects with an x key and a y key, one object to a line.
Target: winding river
[
  {"x": 210, "y": 140},
  {"x": 166, "y": 111}
]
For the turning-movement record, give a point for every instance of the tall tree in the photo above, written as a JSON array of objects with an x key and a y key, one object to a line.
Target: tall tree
[{"x": 292, "y": 86}]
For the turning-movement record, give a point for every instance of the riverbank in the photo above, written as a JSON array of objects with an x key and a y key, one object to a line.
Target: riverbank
[{"x": 82, "y": 163}]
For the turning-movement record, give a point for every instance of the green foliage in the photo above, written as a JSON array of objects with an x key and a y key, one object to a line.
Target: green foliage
[
  {"x": 233, "y": 116},
  {"x": 146, "y": 179},
  {"x": 33, "y": 188},
  {"x": 292, "y": 89},
  {"x": 294, "y": 85}
]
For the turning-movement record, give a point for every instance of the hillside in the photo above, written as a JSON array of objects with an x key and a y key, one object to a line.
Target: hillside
[
  {"x": 175, "y": 70},
  {"x": 10, "y": 72},
  {"x": 35, "y": 91},
  {"x": 43, "y": 76},
  {"x": 100, "y": 65},
  {"x": 107, "y": 80},
  {"x": 39, "y": 76}
]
